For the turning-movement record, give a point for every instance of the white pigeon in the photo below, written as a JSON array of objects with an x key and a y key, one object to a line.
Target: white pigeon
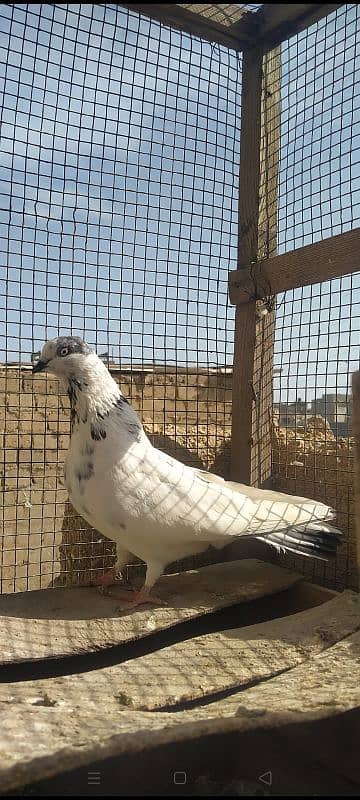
[{"x": 149, "y": 503}]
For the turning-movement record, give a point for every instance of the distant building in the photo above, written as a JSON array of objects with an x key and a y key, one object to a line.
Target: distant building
[
  {"x": 290, "y": 415},
  {"x": 336, "y": 408}
]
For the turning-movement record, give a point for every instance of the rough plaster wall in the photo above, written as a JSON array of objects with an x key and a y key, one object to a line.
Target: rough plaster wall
[{"x": 314, "y": 463}]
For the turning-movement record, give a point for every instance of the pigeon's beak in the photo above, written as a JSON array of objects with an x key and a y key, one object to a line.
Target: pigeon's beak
[{"x": 39, "y": 366}]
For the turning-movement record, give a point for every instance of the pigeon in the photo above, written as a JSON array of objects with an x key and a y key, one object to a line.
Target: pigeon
[{"x": 151, "y": 505}]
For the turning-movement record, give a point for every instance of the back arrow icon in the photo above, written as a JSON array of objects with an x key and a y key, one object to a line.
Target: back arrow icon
[{"x": 266, "y": 778}]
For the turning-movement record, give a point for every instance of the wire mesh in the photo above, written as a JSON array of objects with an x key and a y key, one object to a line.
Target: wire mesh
[
  {"x": 227, "y": 14},
  {"x": 119, "y": 170},
  {"x": 119, "y": 166},
  {"x": 319, "y": 173},
  {"x": 317, "y": 327}
]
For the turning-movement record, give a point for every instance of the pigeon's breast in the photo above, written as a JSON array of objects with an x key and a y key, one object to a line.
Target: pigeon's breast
[
  {"x": 80, "y": 471},
  {"x": 95, "y": 473}
]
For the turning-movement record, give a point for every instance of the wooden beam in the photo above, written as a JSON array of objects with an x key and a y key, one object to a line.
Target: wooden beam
[
  {"x": 314, "y": 263},
  {"x": 254, "y": 333},
  {"x": 266, "y": 28},
  {"x": 356, "y": 434},
  {"x": 182, "y": 19},
  {"x": 279, "y": 21},
  {"x": 245, "y": 320},
  {"x": 261, "y": 456}
]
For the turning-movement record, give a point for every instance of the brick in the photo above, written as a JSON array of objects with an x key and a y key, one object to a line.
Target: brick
[{"x": 11, "y": 384}]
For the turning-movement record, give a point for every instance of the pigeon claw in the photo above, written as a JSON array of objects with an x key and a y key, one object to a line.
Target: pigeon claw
[
  {"x": 103, "y": 582},
  {"x": 143, "y": 596},
  {"x": 140, "y": 598}
]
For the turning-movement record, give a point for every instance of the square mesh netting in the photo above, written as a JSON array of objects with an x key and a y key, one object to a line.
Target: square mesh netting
[
  {"x": 317, "y": 329},
  {"x": 119, "y": 161},
  {"x": 226, "y": 14},
  {"x": 119, "y": 182}
]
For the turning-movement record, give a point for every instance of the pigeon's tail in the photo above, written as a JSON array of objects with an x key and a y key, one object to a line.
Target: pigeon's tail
[
  {"x": 316, "y": 539},
  {"x": 296, "y": 524}
]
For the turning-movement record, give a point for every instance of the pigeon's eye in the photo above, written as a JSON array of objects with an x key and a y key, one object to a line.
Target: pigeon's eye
[{"x": 64, "y": 351}]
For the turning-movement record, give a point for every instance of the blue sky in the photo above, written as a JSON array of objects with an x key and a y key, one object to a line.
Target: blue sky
[
  {"x": 318, "y": 326},
  {"x": 110, "y": 131},
  {"x": 119, "y": 161}
]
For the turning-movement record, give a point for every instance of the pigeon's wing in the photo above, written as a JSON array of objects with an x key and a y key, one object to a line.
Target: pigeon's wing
[
  {"x": 200, "y": 505},
  {"x": 176, "y": 497},
  {"x": 221, "y": 509},
  {"x": 259, "y": 496}
]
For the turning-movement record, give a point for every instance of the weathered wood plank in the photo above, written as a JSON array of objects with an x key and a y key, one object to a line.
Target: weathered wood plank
[
  {"x": 245, "y": 320},
  {"x": 39, "y": 740},
  {"x": 253, "y": 363},
  {"x": 330, "y": 680},
  {"x": 280, "y": 21},
  {"x": 35, "y": 744},
  {"x": 185, "y": 20},
  {"x": 216, "y": 662},
  {"x": 202, "y": 666},
  {"x": 261, "y": 451},
  {"x": 270, "y": 26},
  {"x": 243, "y": 394},
  {"x": 356, "y": 434},
  {"x": 322, "y": 261},
  {"x": 52, "y": 623}
]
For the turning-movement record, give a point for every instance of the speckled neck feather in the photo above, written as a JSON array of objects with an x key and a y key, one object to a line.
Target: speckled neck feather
[{"x": 94, "y": 396}]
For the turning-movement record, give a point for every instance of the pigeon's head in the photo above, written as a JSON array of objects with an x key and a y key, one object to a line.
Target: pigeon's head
[{"x": 65, "y": 356}]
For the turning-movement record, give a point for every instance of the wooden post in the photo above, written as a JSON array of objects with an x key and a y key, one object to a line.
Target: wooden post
[
  {"x": 356, "y": 433},
  {"x": 267, "y": 247},
  {"x": 245, "y": 320},
  {"x": 254, "y": 334}
]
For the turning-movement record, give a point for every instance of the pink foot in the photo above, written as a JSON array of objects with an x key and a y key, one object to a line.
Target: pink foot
[
  {"x": 104, "y": 581},
  {"x": 142, "y": 596}
]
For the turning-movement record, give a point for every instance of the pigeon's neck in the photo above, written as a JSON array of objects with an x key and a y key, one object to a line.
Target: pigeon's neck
[{"x": 92, "y": 392}]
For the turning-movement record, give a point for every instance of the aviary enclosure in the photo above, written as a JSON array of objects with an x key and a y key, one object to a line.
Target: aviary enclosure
[
  {"x": 153, "y": 157},
  {"x": 180, "y": 187}
]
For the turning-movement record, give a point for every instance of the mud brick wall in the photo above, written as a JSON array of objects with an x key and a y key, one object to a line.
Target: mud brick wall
[{"x": 312, "y": 462}]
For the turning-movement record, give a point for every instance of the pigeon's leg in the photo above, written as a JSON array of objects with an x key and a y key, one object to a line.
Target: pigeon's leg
[
  {"x": 153, "y": 572},
  {"x": 109, "y": 577}
]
